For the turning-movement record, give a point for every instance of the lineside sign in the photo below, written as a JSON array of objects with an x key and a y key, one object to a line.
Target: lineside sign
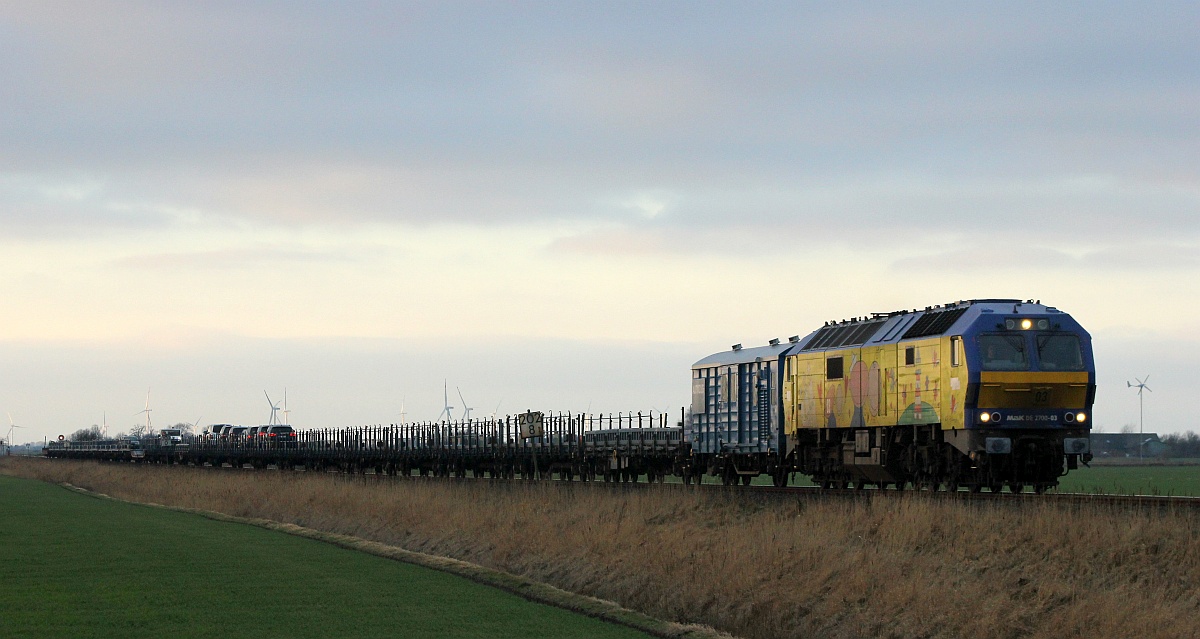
[{"x": 530, "y": 423}]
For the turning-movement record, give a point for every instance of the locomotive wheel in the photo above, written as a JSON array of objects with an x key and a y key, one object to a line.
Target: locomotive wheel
[
  {"x": 1016, "y": 487},
  {"x": 746, "y": 479}
]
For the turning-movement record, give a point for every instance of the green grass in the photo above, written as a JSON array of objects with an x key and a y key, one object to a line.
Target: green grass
[
  {"x": 1134, "y": 480},
  {"x": 77, "y": 566}
]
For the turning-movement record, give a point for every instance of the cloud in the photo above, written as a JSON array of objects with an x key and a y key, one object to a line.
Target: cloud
[
  {"x": 240, "y": 258},
  {"x": 792, "y": 116},
  {"x": 1004, "y": 256}
]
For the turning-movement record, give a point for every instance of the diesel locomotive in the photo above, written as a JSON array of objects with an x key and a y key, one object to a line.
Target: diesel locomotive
[{"x": 981, "y": 394}]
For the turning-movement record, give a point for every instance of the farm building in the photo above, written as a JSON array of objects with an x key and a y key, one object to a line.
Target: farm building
[{"x": 1127, "y": 445}]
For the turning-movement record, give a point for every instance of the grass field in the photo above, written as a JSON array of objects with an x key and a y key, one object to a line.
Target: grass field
[
  {"x": 77, "y": 566},
  {"x": 1134, "y": 480}
]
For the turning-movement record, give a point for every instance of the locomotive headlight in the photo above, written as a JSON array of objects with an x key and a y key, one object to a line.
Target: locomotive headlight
[
  {"x": 1081, "y": 417},
  {"x": 985, "y": 418},
  {"x": 1026, "y": 324}
]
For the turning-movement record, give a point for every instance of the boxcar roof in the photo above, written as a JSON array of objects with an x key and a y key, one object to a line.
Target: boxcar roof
[{"x": 744, "y": 355}]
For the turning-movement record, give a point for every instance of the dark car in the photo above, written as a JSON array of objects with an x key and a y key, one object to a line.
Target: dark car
[
  {"x": 234, "y": 433},
  {"x": 255, "y": 433},
  {"x": 280, "y": 435}
]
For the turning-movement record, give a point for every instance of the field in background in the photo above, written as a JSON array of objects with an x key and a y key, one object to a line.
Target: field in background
[
  {"x": 77, "y": 566},
  {"x": 895, "y": 566},
  {"x": 1133, "y": 479}
]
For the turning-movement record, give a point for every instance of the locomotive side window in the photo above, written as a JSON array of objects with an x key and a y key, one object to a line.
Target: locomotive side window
[
  {"x": 833, "y": 368},
  {"x": 956, "y": 351},
  {"x": 1059, "y": 353},
  {"x": 910, "y": 356},
  {"x": 1003, "y": 353}
]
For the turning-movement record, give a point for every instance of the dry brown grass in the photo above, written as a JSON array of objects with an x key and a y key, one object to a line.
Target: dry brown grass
[{"x": 896, "y": 566}]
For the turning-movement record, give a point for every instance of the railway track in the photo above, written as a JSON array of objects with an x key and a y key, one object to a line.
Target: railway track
[{"x": 1025, "y": 499}]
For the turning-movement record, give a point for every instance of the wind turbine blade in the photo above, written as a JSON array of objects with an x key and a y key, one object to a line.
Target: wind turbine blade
[
  {"x": 464, "y": 401},
  {"x": 1148, "y": 388},
  {"x": 1146, "y": 380}
]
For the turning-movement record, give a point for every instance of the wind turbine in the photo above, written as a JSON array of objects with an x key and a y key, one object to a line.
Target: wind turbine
[
  {"x": 285, "y": 408},
  {"x": 104, "y": 424},
  {"x": 1141, "y": 386},
  {"x": 147, "y": 411},
  {"x": 403, "y": 415},
  {"x": 446, "y": 400},
  {"x": 466, "y": 409},
  {"x": 11, "y": 426},
  {"x": 274, "y": 408},
  {"x": 496, "y": 409}
]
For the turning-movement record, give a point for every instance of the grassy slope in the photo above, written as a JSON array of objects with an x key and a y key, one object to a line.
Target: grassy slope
[{"x": 73, "y": 566}]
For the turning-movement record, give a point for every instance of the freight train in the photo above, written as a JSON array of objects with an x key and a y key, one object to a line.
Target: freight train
[{"x": 981, "y": 394}]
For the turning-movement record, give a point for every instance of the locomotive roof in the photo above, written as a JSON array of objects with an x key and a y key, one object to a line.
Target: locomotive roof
[{"x": 884, "y": 328}]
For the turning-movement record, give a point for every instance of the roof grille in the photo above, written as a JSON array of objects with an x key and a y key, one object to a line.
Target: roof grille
[
  {"x": 841, "y": 335},
  {"x": 934, "y": 323}
]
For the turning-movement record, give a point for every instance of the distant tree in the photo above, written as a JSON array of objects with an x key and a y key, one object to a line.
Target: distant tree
[
  {"x": 86, "y": 434},
  {"x": 185, "y": 427},
  {"x": 137, "y": 430},
  {"x": 1182, "y": 445},
  {"x": 1129, "y": 428}
]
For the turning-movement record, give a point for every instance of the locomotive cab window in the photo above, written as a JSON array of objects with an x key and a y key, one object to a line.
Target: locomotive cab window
[
  {"x": 910, "y": 356},
  {"x": 956, "y": 351},
  {"x": 833, "y": 368},
  {"x": 1059, "y": 353},
  {"x": 1003, "y": 353}
]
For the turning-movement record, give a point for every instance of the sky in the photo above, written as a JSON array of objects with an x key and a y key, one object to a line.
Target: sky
[{"x": 560, "y": 206}]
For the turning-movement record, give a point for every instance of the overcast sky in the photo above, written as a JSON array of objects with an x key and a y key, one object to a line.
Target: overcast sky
[{"x": 562, "y": 205}]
